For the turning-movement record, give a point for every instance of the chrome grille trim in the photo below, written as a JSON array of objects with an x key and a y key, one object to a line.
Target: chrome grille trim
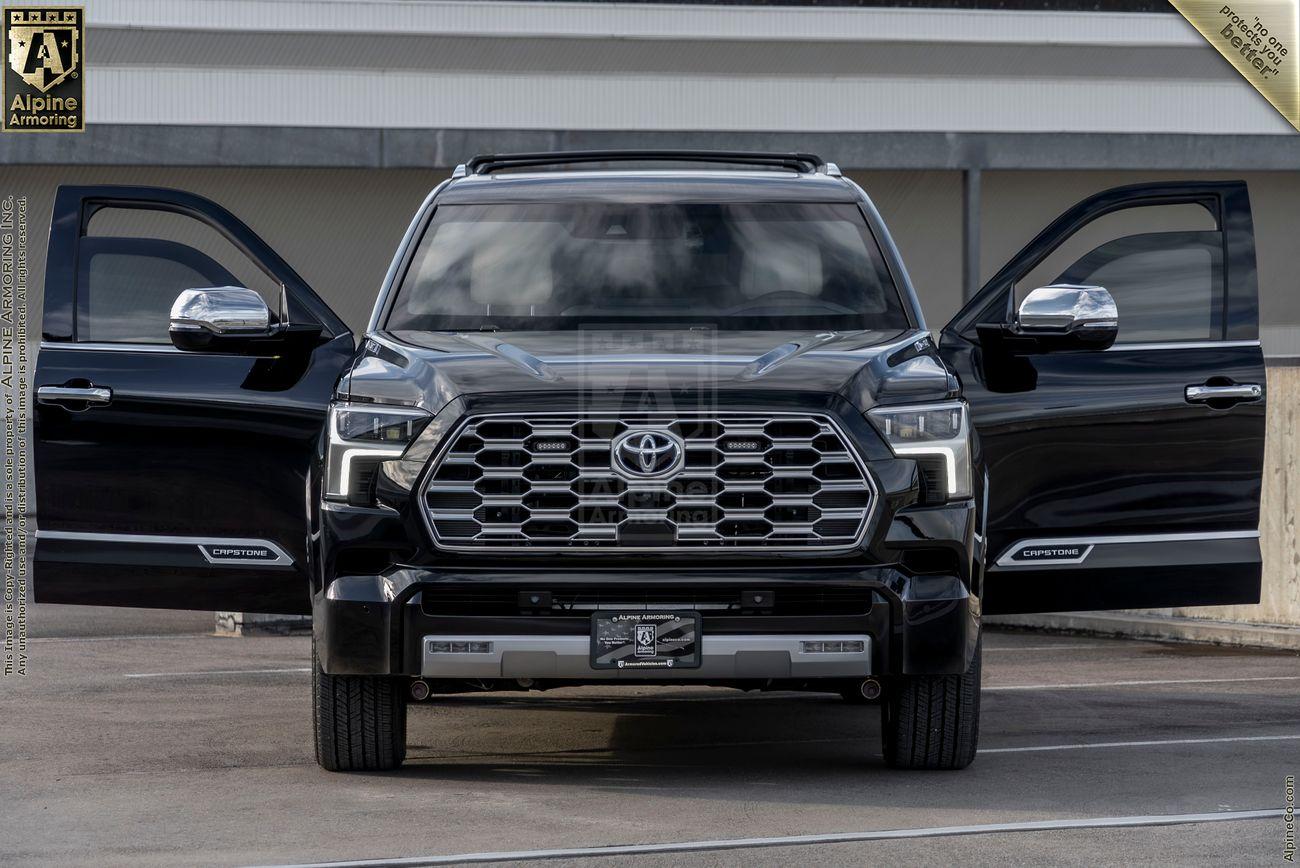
[{"x": 486, "y": 464}]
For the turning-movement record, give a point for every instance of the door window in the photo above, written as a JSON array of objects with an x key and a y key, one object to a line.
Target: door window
[
  {"x": 133, "y": 262},
  {"x": 1163, "y": 265}
]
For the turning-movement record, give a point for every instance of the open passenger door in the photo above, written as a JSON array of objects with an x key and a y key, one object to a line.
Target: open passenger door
[
  {"x": 167, "y": 477},
  {"x": 1124, "y": 476}
]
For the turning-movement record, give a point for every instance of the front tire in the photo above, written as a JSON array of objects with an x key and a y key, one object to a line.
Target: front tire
[
  {"x": 932, "y": 721},
  {"x": 359, "y": 721}
]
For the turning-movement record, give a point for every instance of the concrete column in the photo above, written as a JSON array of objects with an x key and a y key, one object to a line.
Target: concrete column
[{"x": 970, "y": 235}]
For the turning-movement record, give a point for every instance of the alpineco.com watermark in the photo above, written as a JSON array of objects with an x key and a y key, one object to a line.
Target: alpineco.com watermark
[{"x": 1288, "y": 820}]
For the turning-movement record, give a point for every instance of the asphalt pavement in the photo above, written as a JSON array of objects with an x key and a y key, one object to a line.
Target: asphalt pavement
[{"x": 140, "y": 739}]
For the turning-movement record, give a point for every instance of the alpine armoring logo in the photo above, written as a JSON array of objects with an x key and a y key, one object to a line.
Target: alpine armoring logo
[{"x": 44, "y": 79}]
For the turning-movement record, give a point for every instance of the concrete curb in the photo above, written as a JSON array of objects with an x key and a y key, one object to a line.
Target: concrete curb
[
  {"x": 1158, "y": 627},
  {"x": 252, "y": 624}
]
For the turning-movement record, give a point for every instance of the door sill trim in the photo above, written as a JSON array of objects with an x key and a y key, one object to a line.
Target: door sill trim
[
  {"x": 1085, "y": 546},
  {"x": 1181, "y": 345},
  {"x": 213, "y": 549}
]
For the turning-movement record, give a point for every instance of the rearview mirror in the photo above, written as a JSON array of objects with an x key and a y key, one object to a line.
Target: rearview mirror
[{"x": 1068, "y": 317}]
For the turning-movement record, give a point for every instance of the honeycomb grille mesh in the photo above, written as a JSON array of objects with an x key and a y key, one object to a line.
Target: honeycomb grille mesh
[{"x": 548, "y": 481}]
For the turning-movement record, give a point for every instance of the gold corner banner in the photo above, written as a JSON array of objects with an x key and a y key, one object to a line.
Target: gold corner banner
[{"x": 1259, "y": 38}]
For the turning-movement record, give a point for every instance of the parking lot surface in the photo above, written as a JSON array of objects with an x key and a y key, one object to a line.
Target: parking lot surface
[{"x": 137, "y": 739}]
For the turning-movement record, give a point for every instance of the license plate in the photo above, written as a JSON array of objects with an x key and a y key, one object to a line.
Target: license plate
[{"x": 645, "y": 640}]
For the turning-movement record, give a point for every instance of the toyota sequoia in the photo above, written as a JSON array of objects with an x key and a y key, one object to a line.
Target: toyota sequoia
[{"x": 649, "y": 417}]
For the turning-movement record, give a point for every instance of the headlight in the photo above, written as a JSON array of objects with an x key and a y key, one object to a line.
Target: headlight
[
  {"x": 937, "y": 430},
  {"x": 362, "y": 436}
]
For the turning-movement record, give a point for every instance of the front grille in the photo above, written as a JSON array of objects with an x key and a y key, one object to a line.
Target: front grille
[
  {"x": 551, "y": 482},
  {"x": 780, "y": 602}
]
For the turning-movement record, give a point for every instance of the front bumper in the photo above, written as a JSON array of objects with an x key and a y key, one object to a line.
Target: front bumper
[{"x": 378, "y": 624}]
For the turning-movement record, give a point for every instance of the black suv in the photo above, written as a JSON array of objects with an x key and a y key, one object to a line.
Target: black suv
[{"x": 652, "y": 425}]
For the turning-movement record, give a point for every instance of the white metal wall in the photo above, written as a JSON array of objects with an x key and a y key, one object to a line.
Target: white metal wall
[{"x": 639, "y": 66}]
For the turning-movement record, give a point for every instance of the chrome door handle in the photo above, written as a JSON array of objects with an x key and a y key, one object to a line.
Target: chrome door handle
[
  {"x": 70, "y": 394},
  {"x": 1242, "y": 392}
]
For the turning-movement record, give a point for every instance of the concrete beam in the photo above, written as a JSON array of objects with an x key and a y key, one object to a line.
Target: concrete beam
[
  {"x": 337, "y": 147},
  {"x": 217, "y": 146}
]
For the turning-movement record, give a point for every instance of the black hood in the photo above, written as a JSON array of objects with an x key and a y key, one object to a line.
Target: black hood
[{"x": 430, "y": 369}]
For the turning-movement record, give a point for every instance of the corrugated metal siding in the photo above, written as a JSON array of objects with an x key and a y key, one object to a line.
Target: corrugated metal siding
[
  {"x": 655, "y": 102},
  {"x": 649, "y": 21},
  {"x": 510, "y": 65}
]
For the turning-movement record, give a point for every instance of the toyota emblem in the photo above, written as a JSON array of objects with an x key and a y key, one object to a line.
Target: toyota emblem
[{"x": 648, "y": 454}]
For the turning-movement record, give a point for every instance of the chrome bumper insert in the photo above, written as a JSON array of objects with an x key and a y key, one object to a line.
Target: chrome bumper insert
[{"x": 723, "y": 657}]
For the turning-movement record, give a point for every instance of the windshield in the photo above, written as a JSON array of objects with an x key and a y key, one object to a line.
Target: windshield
[{"x": 556, "y": 266}]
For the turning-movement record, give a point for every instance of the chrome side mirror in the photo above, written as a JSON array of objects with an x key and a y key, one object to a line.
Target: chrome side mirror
[
  {"x": 221, "y": 311},
  {"x": 1062, "y": 309},
  {"x": 1064, "y": 317}
]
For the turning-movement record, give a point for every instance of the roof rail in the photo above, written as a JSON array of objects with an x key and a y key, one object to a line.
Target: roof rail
[{"x": 487, "y": 163}]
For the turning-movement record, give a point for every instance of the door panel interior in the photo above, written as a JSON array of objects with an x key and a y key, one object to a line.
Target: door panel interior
[{"x": 1108, "y": 486}]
